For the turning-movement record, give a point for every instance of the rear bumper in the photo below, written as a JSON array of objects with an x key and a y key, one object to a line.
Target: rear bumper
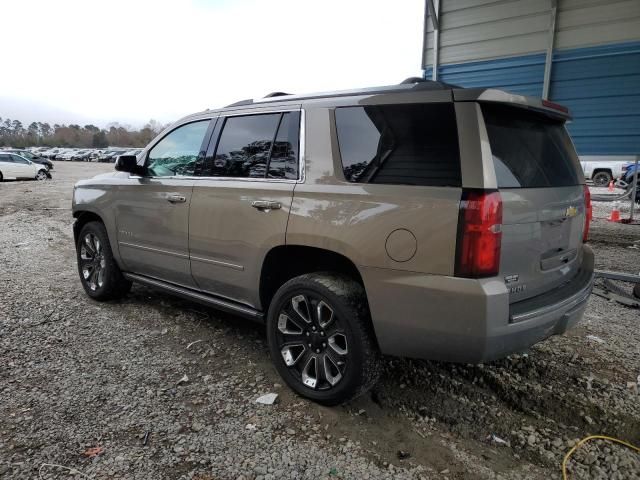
[{"x": 461, "y": 320}]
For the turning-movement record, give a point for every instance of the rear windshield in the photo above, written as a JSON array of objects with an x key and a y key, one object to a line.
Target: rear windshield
[
  {"x": 529, "y": 149},
  {"x": 414, "y": 144}
]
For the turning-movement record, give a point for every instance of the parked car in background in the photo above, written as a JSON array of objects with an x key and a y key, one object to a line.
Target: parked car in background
[
  {"x": 34, "y": 157},
  {"x": 629, "y": 171},
  {"x": 65, "y": 155},
  {"x": 16, "y": 167},
  {"x": 355, "y": 224},
  {"x": 135, "y": 152},
  {"x": 82, "y": 155},
  {"x": 109, "y": 155},
  {"x": 601, "y": 170},
  {"x": 50, "y": 153}
]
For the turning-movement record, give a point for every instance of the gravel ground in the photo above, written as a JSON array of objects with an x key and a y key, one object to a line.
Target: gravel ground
[{"x": 155, "y": 387}]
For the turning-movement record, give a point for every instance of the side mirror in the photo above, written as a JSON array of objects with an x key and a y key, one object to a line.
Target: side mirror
[{"x": 127, "y": 163}]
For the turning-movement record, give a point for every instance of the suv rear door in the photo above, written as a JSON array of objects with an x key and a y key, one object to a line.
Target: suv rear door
[
  {"x": 542, "y": 188},
  {"x": 241, "y": 205}
]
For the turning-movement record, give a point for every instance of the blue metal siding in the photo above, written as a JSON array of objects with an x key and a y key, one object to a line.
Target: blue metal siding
[
  {"x": 601, "y": 86},
  {"x": 521, "y": 75}
]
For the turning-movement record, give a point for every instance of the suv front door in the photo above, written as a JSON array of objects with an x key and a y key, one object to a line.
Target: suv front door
[
  {"x": 152, "y": 210},
  {"x": 240, "y": 208}
]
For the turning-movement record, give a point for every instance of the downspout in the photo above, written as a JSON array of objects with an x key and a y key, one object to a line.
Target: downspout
[
  {"x": 548, "y": 63},
  {"x": 434, "y": 11}
]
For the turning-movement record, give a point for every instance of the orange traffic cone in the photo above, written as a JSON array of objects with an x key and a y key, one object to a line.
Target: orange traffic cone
[
  {"x": 615, "y": 214},
  {"x": 611, "y": 186}
]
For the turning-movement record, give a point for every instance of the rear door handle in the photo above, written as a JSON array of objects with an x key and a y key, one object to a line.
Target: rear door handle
[
  {"x": 176, "y": 198},
  {"x": 265, "y": 205}
]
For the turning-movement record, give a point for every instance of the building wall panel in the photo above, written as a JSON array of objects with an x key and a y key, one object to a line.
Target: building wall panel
[{"x": 595, "y": 68}]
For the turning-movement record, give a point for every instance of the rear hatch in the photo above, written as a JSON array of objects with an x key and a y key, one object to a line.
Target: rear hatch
[{"x": 542, "y": 189}]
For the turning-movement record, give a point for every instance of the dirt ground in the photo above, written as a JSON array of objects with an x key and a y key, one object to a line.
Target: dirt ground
[{"x": 156, "y": 387}]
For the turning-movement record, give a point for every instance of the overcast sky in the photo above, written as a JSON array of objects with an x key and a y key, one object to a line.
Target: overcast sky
[{"x": 132, "y": 60}]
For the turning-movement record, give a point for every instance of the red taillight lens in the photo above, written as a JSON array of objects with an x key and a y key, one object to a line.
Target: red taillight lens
[
  {"x": 479, "y": 234},
  {"x": 588, "y": 214}
]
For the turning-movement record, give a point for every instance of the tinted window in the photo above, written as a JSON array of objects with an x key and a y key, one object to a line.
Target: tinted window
[
  {"x": 176, "y": 154},
  {"x": 244, "y": 146},
  {"x": 529, "y": 149},
  {"x": 19, "y": 159},
  {"x": 6, "y": 158},
  {"x": 284, "y": 156},
  {"x": 400, "y": 144},
  {"x": 257, "y": 146}
]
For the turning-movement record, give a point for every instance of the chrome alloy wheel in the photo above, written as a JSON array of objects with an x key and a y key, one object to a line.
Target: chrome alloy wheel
[
  {"x": 311, "y": 341},
  {"x": 92, "y": 261}
]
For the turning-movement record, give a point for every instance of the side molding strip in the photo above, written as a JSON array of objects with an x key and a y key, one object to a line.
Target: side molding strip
[{"x": 209, "y": 300}]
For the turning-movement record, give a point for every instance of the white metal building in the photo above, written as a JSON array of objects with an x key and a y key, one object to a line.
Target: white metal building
[{"x": 582, "y": 53}]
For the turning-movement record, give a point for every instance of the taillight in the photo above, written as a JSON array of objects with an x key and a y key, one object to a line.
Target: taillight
[
  {"x": 588, "y": 214},
  {"x": 479, "y": 234}
]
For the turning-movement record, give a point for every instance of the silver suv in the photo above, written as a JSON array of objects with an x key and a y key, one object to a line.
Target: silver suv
[{"x": 419, "y": 220}]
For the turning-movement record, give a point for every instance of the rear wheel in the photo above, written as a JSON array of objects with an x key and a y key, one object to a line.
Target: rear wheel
[
  {"x": 319, "y": 335},
  {"x": 100, "y": 275},
  {"x": 602, "y": 179}
]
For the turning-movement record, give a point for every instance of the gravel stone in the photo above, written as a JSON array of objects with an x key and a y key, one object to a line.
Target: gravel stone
[{"x": 77, "y": 374}]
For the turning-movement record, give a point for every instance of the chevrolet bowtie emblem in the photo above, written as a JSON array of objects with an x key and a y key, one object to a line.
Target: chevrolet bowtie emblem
[{"x": 571, "y": 212}]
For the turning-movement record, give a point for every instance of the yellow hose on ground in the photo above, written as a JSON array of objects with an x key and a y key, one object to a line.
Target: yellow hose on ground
[{"x": 585, "y": 440}]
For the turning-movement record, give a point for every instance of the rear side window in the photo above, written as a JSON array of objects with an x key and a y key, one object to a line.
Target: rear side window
[
  {"x": 530, "y": 150},
  {"x": 400, "y": 144},
  {"x": 258, "y": 146}
]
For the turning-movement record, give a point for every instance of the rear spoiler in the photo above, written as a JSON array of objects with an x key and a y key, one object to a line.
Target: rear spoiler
[{"x": 500, "y": 96}]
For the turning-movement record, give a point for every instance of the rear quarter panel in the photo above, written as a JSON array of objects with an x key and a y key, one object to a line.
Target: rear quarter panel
[{"x": 358, "y": 220}]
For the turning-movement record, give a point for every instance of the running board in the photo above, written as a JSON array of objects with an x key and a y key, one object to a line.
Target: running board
[{"x": 203, "y": 298}]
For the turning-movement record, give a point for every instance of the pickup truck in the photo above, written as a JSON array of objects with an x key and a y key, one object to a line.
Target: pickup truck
[{"x": 602, "y": 169}]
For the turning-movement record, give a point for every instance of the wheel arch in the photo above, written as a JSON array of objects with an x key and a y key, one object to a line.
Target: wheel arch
[
  {"x": 599, "y": 170},
  {"x": 284, "y": 262},
  {"x": 82, "y": 218}
]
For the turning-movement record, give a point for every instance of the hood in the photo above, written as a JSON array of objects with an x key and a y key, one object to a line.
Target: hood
[{"x": 101, "y": 177}]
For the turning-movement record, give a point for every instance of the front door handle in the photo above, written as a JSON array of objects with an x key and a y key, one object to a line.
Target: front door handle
[
  {"x": 266, "y": 205},
  {"x": 176, "y": 198}
]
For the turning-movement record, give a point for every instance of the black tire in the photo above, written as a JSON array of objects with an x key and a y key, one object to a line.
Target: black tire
[
  {"x": 602, "y": 179},
  {"x": 348, "y": 330},
  {"x": 112, "y": 284},
  {"x": 1, "y": 177},
  {"x": 636, "y": 290}
]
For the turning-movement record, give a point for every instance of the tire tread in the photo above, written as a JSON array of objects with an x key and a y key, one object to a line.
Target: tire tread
[{"x": 116, "y": 286}]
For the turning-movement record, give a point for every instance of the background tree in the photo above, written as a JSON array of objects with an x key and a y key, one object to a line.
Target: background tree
[{"x": 13, "y": 133}]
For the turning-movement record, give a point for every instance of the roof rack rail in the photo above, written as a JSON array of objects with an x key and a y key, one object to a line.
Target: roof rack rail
[
  {"x": 277, "y": 94},
  {"x": 248, "y": 101}
]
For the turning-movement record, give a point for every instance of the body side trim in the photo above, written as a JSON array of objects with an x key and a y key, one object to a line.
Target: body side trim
[
  {"x": 206, "y": 299},
  {"x": 151, "y": 249}
]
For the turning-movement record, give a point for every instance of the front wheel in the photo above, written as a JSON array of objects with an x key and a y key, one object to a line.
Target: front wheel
[
  {"x": 100, "y": 275},
  {"x": 41, "y": 175},
  {"x": 320, "y": 338}
]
